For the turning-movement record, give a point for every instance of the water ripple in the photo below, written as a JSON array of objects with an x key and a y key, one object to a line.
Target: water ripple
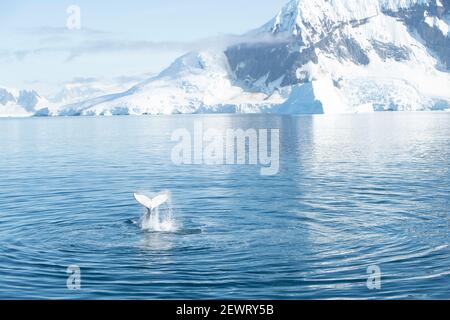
[{"x": 339, "y": 205}]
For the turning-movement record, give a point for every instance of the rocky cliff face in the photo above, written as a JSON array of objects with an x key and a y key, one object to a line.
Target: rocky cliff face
[
  {"x": 344, "y": 30},
  {"x": 430, "y": 21}
]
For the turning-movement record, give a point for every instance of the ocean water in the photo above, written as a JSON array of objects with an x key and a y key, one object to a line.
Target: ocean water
[{"x": 353, "y": 192}]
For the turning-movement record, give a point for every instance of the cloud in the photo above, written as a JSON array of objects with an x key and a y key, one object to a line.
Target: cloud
[
  {"x": 52, "y": 31},
  {"x": 76, "y": 43},
  {"x": 85, "y": 80},
  {"x": 75, "y": 48},
  {"x": 118, "y": 80},
  {"x": 133, "y": 78},
  {"x": 118, "y": 46}
]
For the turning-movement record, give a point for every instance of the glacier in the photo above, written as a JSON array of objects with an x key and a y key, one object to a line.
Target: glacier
[{"x": 314, "y": 56}]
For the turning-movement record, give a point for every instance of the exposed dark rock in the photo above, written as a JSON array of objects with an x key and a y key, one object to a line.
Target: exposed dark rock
[
  {"x": 6, "y": 96},
  {"x": 251, "y": 62},
  {"x": 272, "y": 61},
  {"x": 434, "y": 39},
  {"x": 390, "y": 51},
  {"x": 28, "y": 99}
]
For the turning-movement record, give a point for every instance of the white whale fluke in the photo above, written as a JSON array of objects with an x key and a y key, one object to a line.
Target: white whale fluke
[
  {"x": 152, "y": 203},
  {"x": 158, "y": 212}
]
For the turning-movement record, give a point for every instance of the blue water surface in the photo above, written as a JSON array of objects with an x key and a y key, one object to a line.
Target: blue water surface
[{"x": 353, "y": 191}]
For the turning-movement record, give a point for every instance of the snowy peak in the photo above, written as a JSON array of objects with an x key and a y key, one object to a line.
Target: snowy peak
[
  {"x": 312, "y": 20},
  {"x": 20, "y": 102},
  {"x": 374, "y": 46},
  {"x": 399, "y": 5},
  {"x": 430, "y": 22},
  {"x": 314, "y": 56},
  {"x": 6, "y": 96},
  {"x": 73, "y": 92},
  {"x": 29, "y": 100},
  {"x": 347, "y": 30},
  {"x": 195, "y": 82},
  {"x": 197, "y": 63}
]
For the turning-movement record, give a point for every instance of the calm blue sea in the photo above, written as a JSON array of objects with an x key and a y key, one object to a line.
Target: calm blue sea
[{"x": 353, "y": 191}]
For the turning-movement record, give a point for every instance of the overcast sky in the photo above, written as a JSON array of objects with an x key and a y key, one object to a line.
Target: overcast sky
[{"x": 117, "y": 38}]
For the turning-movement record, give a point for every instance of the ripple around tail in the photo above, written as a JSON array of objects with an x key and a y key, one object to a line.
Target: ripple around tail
[{"x": 159, "y": 219}]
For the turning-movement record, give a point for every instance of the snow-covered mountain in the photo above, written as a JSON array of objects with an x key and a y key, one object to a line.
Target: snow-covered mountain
[
  {"x": 314, "y": 56},
  {"x": 196, "y": 82},
  {"x": 23, "y": 103},
  {"x": 20, "y": 103},
  {"x": 77, "y": 92},
  {"x": 350, "y": 56},
  {"x": 80, "y": 90}
]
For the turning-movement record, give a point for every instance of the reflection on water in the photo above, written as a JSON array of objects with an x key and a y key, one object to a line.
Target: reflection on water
[
  {"x": 353, "y": 191},
  {"x": 157, "y": 241}
]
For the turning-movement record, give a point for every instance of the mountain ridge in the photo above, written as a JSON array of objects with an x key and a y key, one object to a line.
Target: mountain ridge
[{"x": 373, "y": 55}]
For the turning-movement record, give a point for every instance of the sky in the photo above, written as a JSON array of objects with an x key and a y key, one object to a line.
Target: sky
[{"x": 112, "y": 39}]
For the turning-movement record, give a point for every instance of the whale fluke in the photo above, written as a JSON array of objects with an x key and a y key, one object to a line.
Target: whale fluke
[{"x": 152, "y": 203}]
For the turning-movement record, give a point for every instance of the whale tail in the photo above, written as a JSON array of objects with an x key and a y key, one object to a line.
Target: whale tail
[{"x": 152, "y": 203}]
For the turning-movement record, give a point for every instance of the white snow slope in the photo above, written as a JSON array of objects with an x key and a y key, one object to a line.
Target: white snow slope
[
  {"x": 386, "y": 83},
  {"x": 20, "y": 103},
  {"x": 351, "y": 56},
  {"x": 196, "y": 82},
  {"x": 24, "y": 103}
]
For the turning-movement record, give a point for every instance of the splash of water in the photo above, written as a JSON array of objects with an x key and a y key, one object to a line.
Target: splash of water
[{"x": 159, "y": 219}]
